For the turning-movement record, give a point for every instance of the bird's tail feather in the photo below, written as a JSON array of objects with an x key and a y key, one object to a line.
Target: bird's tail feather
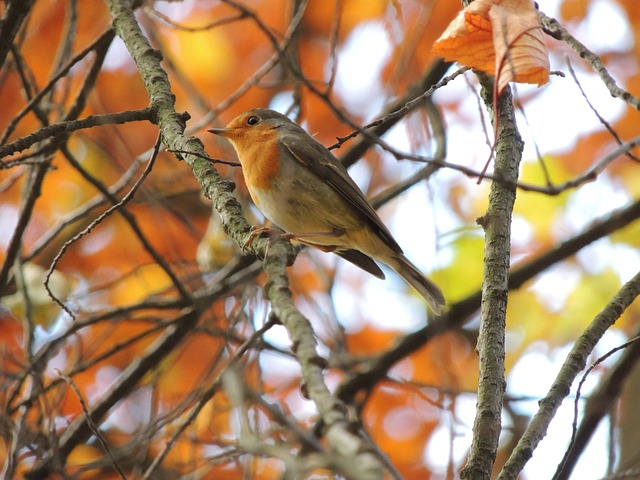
[{"x": 425, "y": 287}]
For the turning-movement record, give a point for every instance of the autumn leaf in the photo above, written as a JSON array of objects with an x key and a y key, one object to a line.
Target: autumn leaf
[{"x": 500, "y": 37}]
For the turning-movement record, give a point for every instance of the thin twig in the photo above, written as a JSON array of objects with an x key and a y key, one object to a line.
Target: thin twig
[
  {"x": 576, "y": 360},
  {"x": 64, "y": 128},
  {"x": 94, "y": 428},
  {"x": 557, "y": 31},
  {"x": 601, "y": 119},
  {"x": 104, "y": 39},
  {"x": 576, "y": 402}
]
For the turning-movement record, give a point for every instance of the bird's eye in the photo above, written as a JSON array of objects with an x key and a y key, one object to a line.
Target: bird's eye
[{"x": 253, "y": 120}]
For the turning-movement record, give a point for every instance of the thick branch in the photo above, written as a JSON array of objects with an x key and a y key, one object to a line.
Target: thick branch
[
  {"x": 352, "y": 459},
  {"x": 599, "y": 403},
  {"x": 172, "y": 125},
  {"x": 348, "y": 448},
  {"x": 495, "y": 287}
]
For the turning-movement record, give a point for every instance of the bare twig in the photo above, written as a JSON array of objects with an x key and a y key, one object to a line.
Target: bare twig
[
  {"x": 80, "y": 430},
  {"x": 14, "y": 14},
  {"x": 600, "y": 401},
  {"x": 95, "y": 430},
  {"x": 32, "y": 193},
  {"x": 601, "y": 119},
  {"x": 557, "y": 31},
  {"x": 104, "y": 39},
  {"x": 64, "y": 128},
  {"x": 574, "y": 363},
  {"x": 205, "y": 397},
  {"x": 352, "y": 458}
]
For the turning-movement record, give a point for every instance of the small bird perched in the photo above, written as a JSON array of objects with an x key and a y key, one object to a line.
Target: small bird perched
[{"x": 303, "y": 189}]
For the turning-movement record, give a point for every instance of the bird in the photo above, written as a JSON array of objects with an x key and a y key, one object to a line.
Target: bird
[{"x": 303, "y": 189}]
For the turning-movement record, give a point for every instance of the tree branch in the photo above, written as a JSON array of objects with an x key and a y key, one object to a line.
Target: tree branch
[
  {"x": 557, "y": 31},
  {"x": 15, "y": 12},
  {"x": 80, "y": 428},
  {"x": 574, "y": 363},
  {"x": 495, "y": 286},
  {"x": 352, "y": 457},
  {"x": 462, "y": 311},
  {"x": 64, "y": 128}
]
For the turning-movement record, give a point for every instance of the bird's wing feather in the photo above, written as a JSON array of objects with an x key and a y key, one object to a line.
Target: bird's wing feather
[
  {"x": 331, "y": 171},
  {"x": 361, "y": 260}
]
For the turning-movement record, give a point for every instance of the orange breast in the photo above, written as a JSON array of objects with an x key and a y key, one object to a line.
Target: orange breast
[{"x": 260, "y": 157}]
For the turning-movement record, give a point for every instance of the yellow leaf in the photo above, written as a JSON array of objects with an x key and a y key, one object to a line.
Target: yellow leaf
[
  {"x": 590, "y": 296},
  {"x": 147, "y": 280},
  {"x": 466, "y": 265},
  {"x": 543, "y": 213}
]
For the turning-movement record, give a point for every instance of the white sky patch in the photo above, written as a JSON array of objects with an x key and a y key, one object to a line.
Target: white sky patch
[
  {"x": 521, "y": 232},
  {"x": 618, "y": 36},
  {"x": 438, "y": 450},
  {"x": 413, "y": 227},
  {"x": 361, "y": 60},
  {"x": 281, "y": 101},
  {"x": 552, "y": 123},
  {"x": 8, "y": 221},
  {"x": 176, "y": 11},
  {"x": 118, "y": 57},
  {"x": 554, "y": 285},
  {"x": 381, "y": 302},
  {"x": 625, "y": 260},
  {"x": 592, "y": 201}
]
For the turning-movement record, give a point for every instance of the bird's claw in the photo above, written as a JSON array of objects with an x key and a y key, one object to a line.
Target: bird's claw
[{"x": 270, "y": 231}]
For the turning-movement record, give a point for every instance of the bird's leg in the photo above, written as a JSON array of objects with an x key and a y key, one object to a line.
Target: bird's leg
[
  {"x": 301, "y": 238},
  {"x": 296, "y": 237},
  {"x": 265, "y": 230}
]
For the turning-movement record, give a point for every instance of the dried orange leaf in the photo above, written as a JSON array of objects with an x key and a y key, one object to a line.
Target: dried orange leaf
[{"x": 500, "y": 37}]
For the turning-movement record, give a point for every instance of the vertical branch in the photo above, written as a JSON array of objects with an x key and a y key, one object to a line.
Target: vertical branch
[{"x": 497, "y": 225}]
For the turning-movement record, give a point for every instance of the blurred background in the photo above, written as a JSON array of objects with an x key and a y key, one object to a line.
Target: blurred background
[{"x": 332, "y": 66}]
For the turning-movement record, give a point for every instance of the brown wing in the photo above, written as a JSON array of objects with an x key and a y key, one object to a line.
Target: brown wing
[{"x": 320, "y": 161}]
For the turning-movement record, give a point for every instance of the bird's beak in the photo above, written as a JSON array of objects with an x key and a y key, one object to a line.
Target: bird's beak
[{"x": 223, "y": 132}]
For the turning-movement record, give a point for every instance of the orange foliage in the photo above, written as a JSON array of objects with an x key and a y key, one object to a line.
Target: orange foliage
[
  {"x": 448, "y": 363},
  {"x": 370, "y": 341},
  {"x": 412, "y": 52},
  {"x": 500, "y": 37},
  {"x": 574, "y": 9},
  {"x": 320, "y": 16},
  {"x": 401, "y": 422},
  {"x": 11, "y": 346},
  {"x": 189, "y": 368}
]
